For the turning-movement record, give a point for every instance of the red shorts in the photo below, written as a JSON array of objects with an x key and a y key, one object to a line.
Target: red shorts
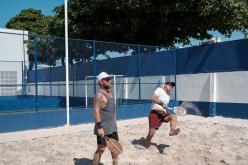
[{"x": 156, "y": 119}]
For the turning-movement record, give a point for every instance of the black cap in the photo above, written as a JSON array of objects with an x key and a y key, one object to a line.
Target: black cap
[{"x": 170, "y": 83}]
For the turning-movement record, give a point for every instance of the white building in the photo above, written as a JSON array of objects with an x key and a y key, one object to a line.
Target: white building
[{"x": 13, "y": 53}]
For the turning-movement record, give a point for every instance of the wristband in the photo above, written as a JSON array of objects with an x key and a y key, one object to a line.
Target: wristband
[{"x": 98, "y": 125}]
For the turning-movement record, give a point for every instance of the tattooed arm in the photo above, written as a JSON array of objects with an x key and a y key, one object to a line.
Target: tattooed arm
[
  {"x": 97, "y": 107},
  {"x": 96, "y": 112}
]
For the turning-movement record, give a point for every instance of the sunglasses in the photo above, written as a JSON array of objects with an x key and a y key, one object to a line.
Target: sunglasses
[{"x": 107, "y": 79}]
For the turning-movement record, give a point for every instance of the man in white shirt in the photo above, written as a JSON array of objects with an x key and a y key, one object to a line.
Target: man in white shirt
[{"x": 160, "y": 112}]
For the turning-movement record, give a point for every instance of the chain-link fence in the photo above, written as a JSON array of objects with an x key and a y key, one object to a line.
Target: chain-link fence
[
  {"x": 32, "y": 77},
  {"x": 35, "y": 71}
]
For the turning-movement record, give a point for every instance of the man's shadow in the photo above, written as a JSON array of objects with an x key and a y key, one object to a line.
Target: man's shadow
[
  {"x": 142, "y": 140},
  {"x": 83, "y": 161}
]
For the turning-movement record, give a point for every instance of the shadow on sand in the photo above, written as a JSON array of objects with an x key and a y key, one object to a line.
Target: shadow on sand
[
  {"x": 83, "y": 161},
  {"x": 141, "y": 142}
]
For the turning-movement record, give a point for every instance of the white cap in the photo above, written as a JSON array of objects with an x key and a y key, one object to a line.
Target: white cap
[{"x": 102, "y": 76}]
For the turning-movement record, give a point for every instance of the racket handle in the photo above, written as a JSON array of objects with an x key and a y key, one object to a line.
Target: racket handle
[{"x": 170, "y": 111}]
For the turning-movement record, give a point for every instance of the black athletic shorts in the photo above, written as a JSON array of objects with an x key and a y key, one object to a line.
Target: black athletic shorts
[{"x": 102, "y": 141}]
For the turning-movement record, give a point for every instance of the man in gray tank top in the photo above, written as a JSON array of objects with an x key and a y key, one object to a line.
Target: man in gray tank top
[{"x": 105, "y": 117}]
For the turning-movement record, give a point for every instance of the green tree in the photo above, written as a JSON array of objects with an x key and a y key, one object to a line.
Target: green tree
[
  {"x": 49, "y": 49},
  {"x": 152, "y": 22},
  {"x": 31, "y": 20},
  {"x": 34, "y": 21}
]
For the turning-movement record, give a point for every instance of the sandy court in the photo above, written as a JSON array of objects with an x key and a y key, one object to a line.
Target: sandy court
[{"x": 213, "y": 140}]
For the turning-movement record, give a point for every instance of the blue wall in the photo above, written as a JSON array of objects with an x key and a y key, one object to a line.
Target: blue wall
[
  {"x": 22, "y": 103},
  {"x": 14, "y": 103},
  {"x": 219, "y": 57},
  {"x": 46, "y": 119}
]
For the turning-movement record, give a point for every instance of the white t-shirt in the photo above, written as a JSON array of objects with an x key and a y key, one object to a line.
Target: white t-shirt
[{"x": 163, "y": 97}]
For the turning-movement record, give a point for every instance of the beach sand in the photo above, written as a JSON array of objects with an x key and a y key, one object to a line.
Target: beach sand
[{"x": 202, "y": 141}]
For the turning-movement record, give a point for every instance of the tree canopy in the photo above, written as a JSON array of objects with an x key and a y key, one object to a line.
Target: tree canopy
[
  {"x": 31, "y": 20},
  {"x": 34, "y": 21},
  {"x": 151, "y": 22}
]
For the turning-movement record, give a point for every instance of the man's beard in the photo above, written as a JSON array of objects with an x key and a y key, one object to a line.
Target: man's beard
[{"x": 106, "y": 87}]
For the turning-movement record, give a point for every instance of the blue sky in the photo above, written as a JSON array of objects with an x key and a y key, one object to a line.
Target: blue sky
[{"x": 10, "y": 8}]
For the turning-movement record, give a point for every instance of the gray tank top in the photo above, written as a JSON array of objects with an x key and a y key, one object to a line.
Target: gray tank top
[{"x": 108, "y": 115}]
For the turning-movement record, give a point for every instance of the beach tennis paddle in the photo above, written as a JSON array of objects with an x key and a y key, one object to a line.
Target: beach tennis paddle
[
  {"x": 180, "y": 111},
  {"x": 113, "y": 145}
]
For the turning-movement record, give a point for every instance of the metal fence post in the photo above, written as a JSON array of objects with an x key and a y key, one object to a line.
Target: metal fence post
[
  {"x": 213, "y": 94},
  {"x": 175, "y": 73},
  {"x": 115, "y": 89},
  {"x": 23, "y": 66},
  {"x": 73, "y": 80},
  {"x": 94, "y": 64},
  {"x": 50, "y": 81},
  {"x": 139, "y": 61},
  {"x": 36, "y": 72}
]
